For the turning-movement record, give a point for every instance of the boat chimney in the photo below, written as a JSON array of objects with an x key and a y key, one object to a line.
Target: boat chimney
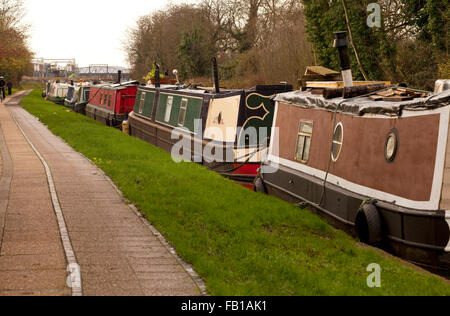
[
  {"x": 341, "y": 43},
  {"x": 157, "y": 76},
  {"x": 441, "y": 86},
  {"x": 216, "y": 75},
  {"x": 119, "y": 76},
  {"x": 175, "y": 72}
]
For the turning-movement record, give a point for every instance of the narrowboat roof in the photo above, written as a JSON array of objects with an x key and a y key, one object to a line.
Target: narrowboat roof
[
  {"x": 127, "y": 83},
  {"x": 363, "y": 105},
  {"x": 83, "y": 84},
  {"x": 117, "y": 86},
  {"x": 183, "y": 89},
  {"x": 62, "y": 85},
  {"x": 223, "y": 92}
]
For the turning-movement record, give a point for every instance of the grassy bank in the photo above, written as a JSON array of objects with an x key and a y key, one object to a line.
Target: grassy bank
[
  {"x": 240, "y": 242},
  {"x": 28, "y": 85},
  {"x": 31, "y": 84}
]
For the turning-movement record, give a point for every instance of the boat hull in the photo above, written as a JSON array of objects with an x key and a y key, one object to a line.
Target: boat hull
[
  {"x": 105, "y": 116},
  {"x": 161, "y": 137},
  {"x": 76, "y": 107},
  {"x": 80, "y": 108},
  {"x": 69, "y": 105},
  {"x": 416, "y": 235},
  {"x": 57, "y": 100}
]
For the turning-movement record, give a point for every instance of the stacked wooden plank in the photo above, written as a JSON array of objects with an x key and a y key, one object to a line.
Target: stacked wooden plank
[
  {"x": 397, "y": 95},
  {"x": 318, "y": 73}
]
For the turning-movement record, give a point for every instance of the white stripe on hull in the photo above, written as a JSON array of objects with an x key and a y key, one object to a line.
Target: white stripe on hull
[
  {"x": 431, "y": 205},
  {"x": 447, "y": 217}
]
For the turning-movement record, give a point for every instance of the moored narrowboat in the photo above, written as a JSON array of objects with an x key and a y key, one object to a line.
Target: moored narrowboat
[
  {"x": 214, "y": 124},
  {"x": 57, "y": 92},
  {"x": 83, "y": 99},
  {"x": 372, "y": 165},
  {"x": 111, "y": 103},
  {"x": 78, "y": 97},
  {"x": 71, "y": 97},
  {"x": 372, "y": 159}
]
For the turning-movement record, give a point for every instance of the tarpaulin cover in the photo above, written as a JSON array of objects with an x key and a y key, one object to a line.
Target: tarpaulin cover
[
  {"x": 72, "y": 96},
  {"x": 58, "y": 90},
  {"x": 364, "y": 105}
]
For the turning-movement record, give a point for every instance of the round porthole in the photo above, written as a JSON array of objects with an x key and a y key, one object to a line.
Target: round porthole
[
  {"x": 338, "y": 140},
  {"x": 391, "y": 146}
]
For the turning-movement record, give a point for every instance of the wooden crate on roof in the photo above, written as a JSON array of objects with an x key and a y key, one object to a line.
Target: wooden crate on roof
[{"x": 318, "y": 73}]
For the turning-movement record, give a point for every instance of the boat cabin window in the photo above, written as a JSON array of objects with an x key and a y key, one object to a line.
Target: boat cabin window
[
  {"x": 183, "y": 107},
  {"x": 304, "y": 142},
  {"x": 338, "y": 140},
  {"x": 168, "y": 109},
  {"x": 141, "y": 103}
]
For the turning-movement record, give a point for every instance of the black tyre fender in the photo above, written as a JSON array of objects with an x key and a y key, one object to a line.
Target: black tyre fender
[
  {"x": 369, "y": 225},
  {"x": 259, "y": 185}
]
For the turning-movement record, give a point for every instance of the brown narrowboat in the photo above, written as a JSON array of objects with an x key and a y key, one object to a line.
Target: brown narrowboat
[{"x": 371, "y": 165}]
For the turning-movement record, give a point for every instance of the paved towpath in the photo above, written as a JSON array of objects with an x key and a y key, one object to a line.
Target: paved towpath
[{"x": 83, "y": 222}]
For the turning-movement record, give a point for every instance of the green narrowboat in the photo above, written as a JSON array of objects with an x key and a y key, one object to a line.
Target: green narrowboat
[{"x": 227, "y": 131}]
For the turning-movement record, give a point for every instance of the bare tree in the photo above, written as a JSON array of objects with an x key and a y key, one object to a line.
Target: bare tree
[
  {"x": 256, "y": 41},
  {"x": 12, "y": 13},
  {"x": 15, "y": 56},
  {"x": 283, "y": 49},
  {"x": 397, "y": 23},
  {"x": 157, "y": 37}
]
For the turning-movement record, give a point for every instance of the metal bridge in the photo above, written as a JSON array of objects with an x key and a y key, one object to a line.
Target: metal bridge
[{"x": 45, "y": 69}]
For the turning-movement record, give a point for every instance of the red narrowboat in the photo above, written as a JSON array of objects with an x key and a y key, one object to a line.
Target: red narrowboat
[{"x": 111, "y": 104}]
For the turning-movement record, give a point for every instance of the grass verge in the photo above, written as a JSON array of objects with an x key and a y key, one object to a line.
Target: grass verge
[{"x": 240, "y": 242}]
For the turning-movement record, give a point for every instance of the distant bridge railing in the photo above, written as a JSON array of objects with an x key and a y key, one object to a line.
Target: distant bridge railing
[{"x": 85, "y": 77}]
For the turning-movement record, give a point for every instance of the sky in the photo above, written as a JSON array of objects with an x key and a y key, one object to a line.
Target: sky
[{"x": 91, "y": 31}]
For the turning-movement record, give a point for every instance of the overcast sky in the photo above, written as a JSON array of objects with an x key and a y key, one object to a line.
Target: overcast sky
[{"x": 91, "y": 31}]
